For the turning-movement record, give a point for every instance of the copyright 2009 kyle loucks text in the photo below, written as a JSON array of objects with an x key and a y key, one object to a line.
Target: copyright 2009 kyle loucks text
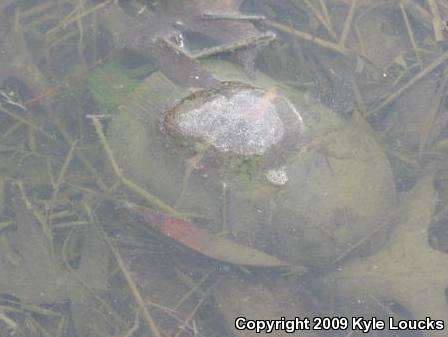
[{"x": 336, "y": 323}]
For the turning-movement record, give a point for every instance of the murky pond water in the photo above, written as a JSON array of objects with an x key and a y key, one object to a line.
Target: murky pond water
[{"x": 234, "y": 168}]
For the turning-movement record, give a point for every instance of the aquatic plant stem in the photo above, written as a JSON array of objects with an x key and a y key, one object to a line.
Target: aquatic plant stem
[
  {"x": 75, "y": 15},
  {"x": 132, "y": 285},
  {"x": 152, "y": 199},
  {"x": 322, "y": 19},
  {"x": 437, "y": 22},
  {"x": 193, "y": 313},
  {"x": 429, "y": 68},
  {"x": 411, "y": 35},
  {"x": 426, "y": 129},
  {"x": 61, "y": 128},
  {"x": 59, "y": 181},
  {"x": 309, "y": 38},
  {"x": 348, "y": 24},
  {"x": 194, "y": 289},
  {"x": 26, "y": 122}
]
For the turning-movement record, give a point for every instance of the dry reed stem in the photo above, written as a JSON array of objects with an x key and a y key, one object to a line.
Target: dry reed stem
[
  {"x": 152, "y": 199},
  {"x": 428, "y": 69}
]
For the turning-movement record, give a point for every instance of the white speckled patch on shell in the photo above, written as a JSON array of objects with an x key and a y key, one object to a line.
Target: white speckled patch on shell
[
  {"x": 278, "y": 176},
  {"x": 235, "y": 123}
]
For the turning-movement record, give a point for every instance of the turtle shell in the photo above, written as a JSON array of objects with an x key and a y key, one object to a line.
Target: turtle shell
[
  {"x": 302, "y": 204},
  {"x": 236, "y": 118}
]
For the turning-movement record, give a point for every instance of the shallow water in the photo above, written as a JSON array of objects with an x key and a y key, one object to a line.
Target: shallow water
[{"x": 113, "y": 224}]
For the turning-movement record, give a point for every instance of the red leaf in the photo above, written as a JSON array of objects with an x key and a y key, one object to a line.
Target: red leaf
[{"x": 202, "y": 241}]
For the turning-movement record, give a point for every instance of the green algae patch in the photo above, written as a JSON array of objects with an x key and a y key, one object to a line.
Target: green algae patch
[{"x": 111, "y": 84}]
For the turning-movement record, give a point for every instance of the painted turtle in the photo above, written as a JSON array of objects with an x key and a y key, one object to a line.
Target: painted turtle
[
  {"x": 283, "y": 173},
  {"x": 291, "y": 177}
]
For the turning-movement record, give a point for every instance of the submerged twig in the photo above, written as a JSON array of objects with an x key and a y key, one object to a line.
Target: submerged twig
[
  {"x": 193, "y": 312},
  {"x": 134, "y": 327},
  {"x": 132, "y": 285},
  {"x": 25, "y": 121},
  {"x": 40, "y": 330},
  {"x": 348, "y": 23},
  {"x": 324, "y": 20},
  {"x": 87, "y": 164},
  {"x": 225, "y": 225},
  {"x": 59, "y": 181},
  {"x": 361, "y": 241},
  {"x": 418, "y": 12},
  {"x": 428, "y": 123},
  {"x": 325, "y": 12},
  {"x": 9, "y": 322},
  {"x": 404, "y": 158},
  {"x": 411, "y": 35},
  {"x": 252, "y": 41},
  {"x": 309, "y": 38},
  {"x": 37, "y": 10},
  {"x": 232, "y": 16},
  {"x": 13, "y": 128},
  {"x": 5, "y": 224},
  {"x": 81, "y": 31},
  {"x": 152, "y": 199},
  {"x": 78, "y": 276},
  {"x": 193, "y": 289},
  {"x": 437, "y": 22},
  {"x": 75, "y": 15},
  {"x": 429, "y": 68}
]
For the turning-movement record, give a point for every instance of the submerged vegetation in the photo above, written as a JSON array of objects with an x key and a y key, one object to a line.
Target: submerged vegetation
[{"x": 109, "y": 227}]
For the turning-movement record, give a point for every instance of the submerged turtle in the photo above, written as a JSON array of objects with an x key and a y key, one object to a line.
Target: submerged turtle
[{"x": 282, "y": 172}]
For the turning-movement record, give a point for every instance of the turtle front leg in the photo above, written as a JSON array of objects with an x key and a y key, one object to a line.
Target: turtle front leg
[{"x": 191, "y": 164}]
